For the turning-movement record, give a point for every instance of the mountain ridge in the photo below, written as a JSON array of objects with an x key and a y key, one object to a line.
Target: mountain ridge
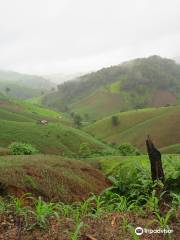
[{"x": 139, "y": 83}]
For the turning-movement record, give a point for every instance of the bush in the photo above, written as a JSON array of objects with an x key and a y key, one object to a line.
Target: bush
[
  {"x": 128, "y": 150},
  {"x": 84, "y": 150},
  {"x": 22, "y": 149},
  {"x": 115, "y": 120}
]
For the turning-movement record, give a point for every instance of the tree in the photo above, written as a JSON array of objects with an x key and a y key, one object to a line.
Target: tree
[
  {"x": 128, "y": 150},
  {"x": 115, "y": 120},
  {"x": 7, "y": 90},
  {"x": 77, "y": 120}
]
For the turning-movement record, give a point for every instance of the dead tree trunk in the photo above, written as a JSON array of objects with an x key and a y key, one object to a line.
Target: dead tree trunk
[{"x": 155, "y": 159}]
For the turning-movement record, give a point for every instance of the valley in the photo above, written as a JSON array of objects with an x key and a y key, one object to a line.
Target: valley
[{"x": 73, "y": 160}]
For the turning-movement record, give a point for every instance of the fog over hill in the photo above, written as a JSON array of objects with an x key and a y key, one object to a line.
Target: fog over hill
[
  {"x": 177, "y": 59},
  {"x": 23, "y": 85},
  {"x": 59, "y": 78}
]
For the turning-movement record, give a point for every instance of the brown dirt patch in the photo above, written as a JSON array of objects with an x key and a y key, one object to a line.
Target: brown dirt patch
[
  {"x": 54, "y": 179},
  {"x": 163, "y": 98},
  {"x": 107, "y": 227}
]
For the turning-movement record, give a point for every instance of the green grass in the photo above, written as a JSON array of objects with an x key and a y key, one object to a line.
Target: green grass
[
  {"x": 18, "y": 123},
  {"x": 12, "y": 116},
  {"x": 98, "y": 104},
  {"x": 12, "y": 109},
  {"x": 175, "y": 148},
  {"x": 161, "y": 123},
  {"x": 53, "y": 138},
  {"x": 126, "y": 165},
  {"x": 35, "y": 100}
]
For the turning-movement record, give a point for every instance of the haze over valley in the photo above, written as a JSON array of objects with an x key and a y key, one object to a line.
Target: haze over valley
[{"x": 89, "y": 119}]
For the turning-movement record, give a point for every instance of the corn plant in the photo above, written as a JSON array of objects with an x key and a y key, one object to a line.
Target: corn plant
[
  {"x": 3, "y": 206},
  {"x": 175, "y": 200},
  {"x": 42, "y": 212},
  {"x": 163, "y": 221},
  {"x": 125, "y": 224},
  {"x": 99, "y": 205},
  {"x": 75, "y": 234},
  {"x": 65, "y": 209},
  {"x": 153, "y": 202}
]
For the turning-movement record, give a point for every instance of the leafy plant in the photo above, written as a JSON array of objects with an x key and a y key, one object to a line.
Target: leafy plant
[
  {"x": 18, "y": 148},
  {"x": 163, "y": 221},
  {"x": 128, "y": 150},
  {"x": 175, "y": 200},
  {"x": 3, "y": 206},
  {"x": 42, "y": 211},
  {"x": 153, "y": 202},
  {"x": 115, "y": 120},
  {"x": 75, "y": 235},
  {"x": 84, "y": 150}
]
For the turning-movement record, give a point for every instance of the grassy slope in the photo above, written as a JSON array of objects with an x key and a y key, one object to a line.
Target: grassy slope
[
  {"x": 175, "y": 148},
  {"x": 161, "y": 123},
  {"x": 96, "y": 105},
  {"x": 53, "y": 177},
  {"x": 18, "y": 123},
  {"x": 53, "y": 138},
  {"x": 26, "y": 110}
]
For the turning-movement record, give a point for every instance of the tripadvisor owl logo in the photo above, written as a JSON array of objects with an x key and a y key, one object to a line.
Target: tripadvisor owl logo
[{"x": 139, "y": 231}]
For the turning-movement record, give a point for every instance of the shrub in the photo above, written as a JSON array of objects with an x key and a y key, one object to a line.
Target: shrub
[
  {"x": 128, "y": 150},
  {"x": 84, "y": 150},
  {"x": 22, "y": 148},
  {"x": 115, "y": 120}
]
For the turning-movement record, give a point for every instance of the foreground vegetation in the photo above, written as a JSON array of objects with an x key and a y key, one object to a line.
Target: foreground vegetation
[
  {"x": 93, "y": 183},
  {"x": 130, "y": 201}
]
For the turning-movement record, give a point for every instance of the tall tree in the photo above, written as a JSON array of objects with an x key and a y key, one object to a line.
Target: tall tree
[{"x": 7, "y": 90}]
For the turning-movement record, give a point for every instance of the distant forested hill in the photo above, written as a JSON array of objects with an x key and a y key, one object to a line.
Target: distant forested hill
[
  {"x": 23, "y": 86},
  {"x": 152, "y": 81}
]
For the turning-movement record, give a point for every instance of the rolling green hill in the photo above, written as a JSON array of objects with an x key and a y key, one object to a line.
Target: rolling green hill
[
  {"x": 133, "y": 126},
  {"x": 18, "y": 122},
  {"x": 23, "y": 86},
  {"x": 146, "y": 82}
]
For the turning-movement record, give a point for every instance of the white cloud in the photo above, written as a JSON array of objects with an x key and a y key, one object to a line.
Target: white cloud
[{"x": 46, "y": 36}]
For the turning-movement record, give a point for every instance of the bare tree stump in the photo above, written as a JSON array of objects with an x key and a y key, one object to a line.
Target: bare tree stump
[{"x": 157, "y": 172}]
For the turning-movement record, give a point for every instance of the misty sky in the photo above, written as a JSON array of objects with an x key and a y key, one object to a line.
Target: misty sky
[{"x": 69, "y": 36}]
